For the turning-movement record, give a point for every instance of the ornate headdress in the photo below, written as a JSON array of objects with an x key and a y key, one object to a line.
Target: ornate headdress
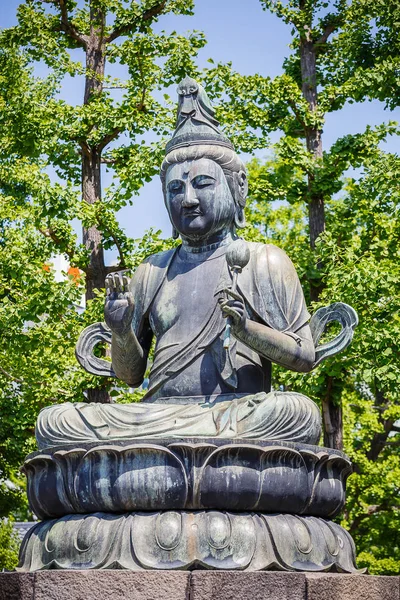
[{"x": 196, "y": 123}]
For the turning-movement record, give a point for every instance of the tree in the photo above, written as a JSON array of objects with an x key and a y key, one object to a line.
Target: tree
[
  {"x": 360, "y": 256},
  {"x": 362, "y": 248},
  {"x": 355, "y": 257},
  {"x": 341, "y": 52},
  {"x": 75, "y": 141},
  {"x": 52, "y": 157}
]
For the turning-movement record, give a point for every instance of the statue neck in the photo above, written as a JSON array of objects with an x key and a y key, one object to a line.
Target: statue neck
[{"x": 222, "y": 238}]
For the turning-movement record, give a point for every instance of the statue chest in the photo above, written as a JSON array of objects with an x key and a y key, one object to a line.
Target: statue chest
[{"x": 187, "y": 296}]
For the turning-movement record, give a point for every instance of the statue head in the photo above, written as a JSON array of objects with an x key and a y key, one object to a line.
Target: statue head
[{"x": 204, "y": 181}]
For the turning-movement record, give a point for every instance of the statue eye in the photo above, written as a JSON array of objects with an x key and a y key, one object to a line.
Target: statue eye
[
  {"x": 175, "y": 187},
  {"x": 202, "y": 181}
]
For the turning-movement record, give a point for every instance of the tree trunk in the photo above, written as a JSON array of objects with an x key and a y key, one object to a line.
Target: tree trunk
[
  {"x": 332, "y": 418},
  {"x": 379, "y": 439},
  {"x": 331, "y": 413},
  {"x": 313, "y": 137},
  {"x": 333, "y": 425},
  {"x": 91, "y": 170},
  {"x": 91, "y": 193}
]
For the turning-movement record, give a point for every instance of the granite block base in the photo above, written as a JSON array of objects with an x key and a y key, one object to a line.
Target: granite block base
[{"x": 197, "y": 585}]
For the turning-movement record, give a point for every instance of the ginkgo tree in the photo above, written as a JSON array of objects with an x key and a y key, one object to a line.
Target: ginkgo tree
[
  {"x": 341, "y": 229},
  {"x": 341, "y": 52},
  {"x": 53, "y": 157},
  {"x": 110, "y": 48}
]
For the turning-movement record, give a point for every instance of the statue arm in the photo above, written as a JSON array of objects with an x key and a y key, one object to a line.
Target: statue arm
[
  {"x": 129, "y": 355},
  {"x": 129, "y": 351},
  {"x": 293, "y": 351},
  {"x": 282, "y": 333}
]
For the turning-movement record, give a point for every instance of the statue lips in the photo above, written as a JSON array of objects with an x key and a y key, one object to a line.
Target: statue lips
[{"x": 195, "y": 212}]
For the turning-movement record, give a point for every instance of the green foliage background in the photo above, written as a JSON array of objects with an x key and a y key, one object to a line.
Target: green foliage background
[
  {"x": 9, "y": 545},
  {"x": 358, "y": 255}
]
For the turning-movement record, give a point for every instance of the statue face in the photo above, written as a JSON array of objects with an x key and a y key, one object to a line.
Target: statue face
[{"x": 198, "y": 199}]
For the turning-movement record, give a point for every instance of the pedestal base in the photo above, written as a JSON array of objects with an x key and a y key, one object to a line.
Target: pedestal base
[
  {"x": 188, "y": 541},
  {"x": 199, "y": 474},
  {"x": 198, "y": 585}
]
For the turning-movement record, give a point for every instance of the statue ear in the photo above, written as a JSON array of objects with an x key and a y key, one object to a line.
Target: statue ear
[
  {"x": 242, "y": 187},
  {"x": 175, "y": 233}
]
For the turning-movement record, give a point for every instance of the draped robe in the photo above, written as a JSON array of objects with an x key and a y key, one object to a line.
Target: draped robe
[{"x": 273, "y": 296}]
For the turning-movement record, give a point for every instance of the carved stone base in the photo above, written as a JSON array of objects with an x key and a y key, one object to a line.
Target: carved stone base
[
  {"x": 188, "y": 540},
  {"x": 262, "y": 476}
]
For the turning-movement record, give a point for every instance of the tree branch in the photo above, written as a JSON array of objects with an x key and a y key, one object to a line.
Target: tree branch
[
  {"x": 329, "y": 29},
  {"x": 66, "y": 25},
  {"x": 49, "y": 233},
  {"x": 114, "y": 268},
  {"x": 117, "y": 244},
  {"x": 140, "y": 105},
  {"x": 147, "y": 15},
  {"x": 296, "y": 113},
  {"x": 85, "y": 148},
  {"x": 9, "y": 376},
  {"x": 122, "y": 264},
  {"x": 371, "y": 510},
  {"x": 109, "y": 138}
]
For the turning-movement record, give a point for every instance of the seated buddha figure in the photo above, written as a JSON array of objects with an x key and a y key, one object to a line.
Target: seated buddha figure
[{"x": 198, "y": 385}]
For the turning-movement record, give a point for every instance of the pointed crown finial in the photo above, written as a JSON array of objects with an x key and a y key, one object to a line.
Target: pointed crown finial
[{"x": 196, "y": 122}]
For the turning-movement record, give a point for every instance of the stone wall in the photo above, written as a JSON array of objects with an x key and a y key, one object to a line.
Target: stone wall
[{"x": 197, "y": 585}]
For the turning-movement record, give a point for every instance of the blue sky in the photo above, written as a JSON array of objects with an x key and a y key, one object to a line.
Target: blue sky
[{"x": 254, "y": 41}]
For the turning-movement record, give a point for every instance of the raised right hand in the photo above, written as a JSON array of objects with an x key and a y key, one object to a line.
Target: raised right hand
[{"x": 119, "y": 306}]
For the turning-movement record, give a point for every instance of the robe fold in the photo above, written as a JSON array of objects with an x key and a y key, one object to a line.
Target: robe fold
[{"x": 273, "y": 297}]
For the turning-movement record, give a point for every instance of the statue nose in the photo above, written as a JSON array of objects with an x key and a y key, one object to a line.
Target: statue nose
[{"x": 189, "y": 199}]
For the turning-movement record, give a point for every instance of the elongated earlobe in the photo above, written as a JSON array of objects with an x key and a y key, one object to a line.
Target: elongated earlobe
[
  {"x": 175, "y": 233},
  {"x": 240, "y": 219}
]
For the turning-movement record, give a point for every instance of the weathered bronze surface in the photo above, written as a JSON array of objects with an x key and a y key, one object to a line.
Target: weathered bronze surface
[
  {"x": 187, "y": 540},
  {"x": 180, "y": 475},
  {"x": 221, "y": 311}
]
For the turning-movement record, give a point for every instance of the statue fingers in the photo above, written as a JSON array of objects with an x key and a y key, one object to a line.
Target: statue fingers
[
  {"x": 125, "y": 283},
  {"x": 228, "y": 311},
  {"x": 224, "y": 304},
  {"x": 234, "y": 295},
  {"x": 118, "y": 283},
  {"x": 121, "y": 288},
  {"x": 238, "y": 305},
  {"x": 239, "y": 308},
  {"x": 235, "y": 304},
  {"x": 110, "y": 283}
]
